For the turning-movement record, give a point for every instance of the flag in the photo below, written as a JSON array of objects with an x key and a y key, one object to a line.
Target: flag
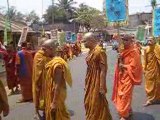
[
  {"x": 156, "y": 22},
  {"x": 116, "y": 11},
  {"x": 141, "y": 32}
]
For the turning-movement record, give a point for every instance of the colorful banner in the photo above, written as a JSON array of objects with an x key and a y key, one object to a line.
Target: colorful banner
[
  {"x": 23, "y": 36},
  {"x": 116, "y": 10},
  {"x": 68, "y": 35},
  {"x": 141, "y": 32},
  {"x": 156, "y": 22},
  {"x": 74, "y": 37}
]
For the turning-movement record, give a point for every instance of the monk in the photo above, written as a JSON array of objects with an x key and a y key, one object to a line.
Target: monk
[
  {"x": 30, "y": 48},
  {"x": 42, "y": 57},
  {"x": 95, "y": 102},
  {"x": 24, "y": 63},
  {"x": 128, "y": 73},
  {"x": 4, "y": 107},
  {"x": 57, "y": 76},
  {"x": 9, "y": 59},
  {"x": 152, "y": 72}
]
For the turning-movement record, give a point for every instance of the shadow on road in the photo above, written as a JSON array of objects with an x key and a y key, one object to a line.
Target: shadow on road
[{"x": 142, "y": 116}]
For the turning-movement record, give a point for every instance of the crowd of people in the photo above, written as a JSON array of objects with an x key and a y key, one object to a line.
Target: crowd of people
[{"x": 43, "y": 77}]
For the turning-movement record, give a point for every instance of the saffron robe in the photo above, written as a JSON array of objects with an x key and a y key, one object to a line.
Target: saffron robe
[
  {"x": 96, "y": 105},
  {"x": 61, "y": 112}
]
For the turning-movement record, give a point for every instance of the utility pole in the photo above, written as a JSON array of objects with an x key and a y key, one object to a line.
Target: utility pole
[
  {"x": 52, "y": 12},
  {"x": 9, "y": 22}
]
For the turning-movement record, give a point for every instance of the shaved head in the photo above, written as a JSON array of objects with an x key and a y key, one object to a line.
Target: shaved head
[
  {"x": 90, "y": 40},
  {"x": 90, "y": 36},
  {"x": 50, "y": 43}
]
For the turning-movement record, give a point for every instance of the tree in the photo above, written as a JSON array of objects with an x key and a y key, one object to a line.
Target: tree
[
  {"x": 85, "y": 15},
  {"x": 32, "y": 18},
  {"x": 153, "y": 3},
  {"x": 98, "y": 22},
  {"x": 67, "y": 7},
  {"x": 59, "y": 15},
  {"x": 19, "y": 16},
  {"x": 11, "y": 13}
]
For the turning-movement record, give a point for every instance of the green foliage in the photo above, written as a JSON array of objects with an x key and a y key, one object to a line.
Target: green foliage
[
  {"x": 90, "y": 17},
  {"x": 153, "y": 3},
  {"x": 58, "y": 14},
  {"x": 32, "y": 17}
]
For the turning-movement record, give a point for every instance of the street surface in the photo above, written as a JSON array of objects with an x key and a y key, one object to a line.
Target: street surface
[{"x": 75, "y": 97}]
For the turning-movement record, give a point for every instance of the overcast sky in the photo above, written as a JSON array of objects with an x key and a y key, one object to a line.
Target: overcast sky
[{"x": 25, "y": 6}]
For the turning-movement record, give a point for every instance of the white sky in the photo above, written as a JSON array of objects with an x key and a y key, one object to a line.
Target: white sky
[{"x": 25, "y": 6}]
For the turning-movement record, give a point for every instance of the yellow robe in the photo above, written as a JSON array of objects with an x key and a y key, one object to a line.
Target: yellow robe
[
  {"x": 152, "y": 72},
  {"x": 96, "y": 105},
  {"x": 3, "y": 99},
  {"x": 61, "y": 113},
  {"x": 38, "y": 78}
]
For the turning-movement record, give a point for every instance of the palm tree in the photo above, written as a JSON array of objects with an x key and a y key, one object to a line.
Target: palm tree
[
  {"x": 153, "y": 3},
  {"x": 67, "y": 6}
]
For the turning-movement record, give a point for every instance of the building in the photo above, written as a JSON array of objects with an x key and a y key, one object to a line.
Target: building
[{"x": 140, "y": 19}]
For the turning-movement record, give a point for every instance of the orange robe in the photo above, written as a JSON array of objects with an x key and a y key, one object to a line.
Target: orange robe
[
  {"x": 4, "y": 107},
  {"x": 38, "y": 78},
  {"x": 125, "y": 80},
  {"x": 152, "y": 72},
  {"x": 96, "y": 105},
  {"x": 61, "y": 113},
  {"x": 24, "y": 60}
]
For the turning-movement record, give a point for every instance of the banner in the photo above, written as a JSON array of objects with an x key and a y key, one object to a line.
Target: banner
[
  {"x": 141, "y": 33},
  {"x": 61, "y": 38},
  {"x": 74, "y": 37},
  {"x": 23, "y": 36},
  {"x": 54, "y": 34},
  {"x": 68, "y": 35},
  {"x": 156, "y": 22},
  {"x": 116, "y": 10}
]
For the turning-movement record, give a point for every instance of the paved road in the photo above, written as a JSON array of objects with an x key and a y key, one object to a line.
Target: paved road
[{"x": 76, "y": 95}]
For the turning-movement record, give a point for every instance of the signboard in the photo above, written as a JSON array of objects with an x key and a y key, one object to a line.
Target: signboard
[
  {"x": 23, "y": 36},
  {"x": 141, "y": 32},
  {"x": 156, "y": 22},
  {"x": 74, "y": 37},
  {"x": 116, "y": 10},
  {"x": 68, "y": 35},
  {"x": 54, "y": 34}
]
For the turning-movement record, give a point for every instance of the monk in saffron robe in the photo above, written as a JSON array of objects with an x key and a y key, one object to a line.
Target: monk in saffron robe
[
  {"x": 38, "y": 78},
  {"x": 24, "y": 63},
  {"x": 128, "y": 73},
  {"x": 152, "y": 72},
  {"x": 57, "y": 76},
  {"x": 4, "y": 107},
  {"x": 95, "y": 102},
  {"x": 10, "y": 66}
]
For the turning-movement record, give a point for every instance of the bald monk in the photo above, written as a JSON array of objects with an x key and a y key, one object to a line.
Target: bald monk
[
  {"x": 95, "y": 102},
  {"x": 4, "y": 107},
  {"x": 128, "y": 73},
  {"x": 42, "y": 57},
  {"x": 57, "y": 76},
  {"x": 152, "y": 72}
]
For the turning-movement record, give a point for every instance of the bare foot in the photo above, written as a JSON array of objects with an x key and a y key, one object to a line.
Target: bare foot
[
  {"x": 147, "y": 104},
  {"x": 11, "y": 93}
]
